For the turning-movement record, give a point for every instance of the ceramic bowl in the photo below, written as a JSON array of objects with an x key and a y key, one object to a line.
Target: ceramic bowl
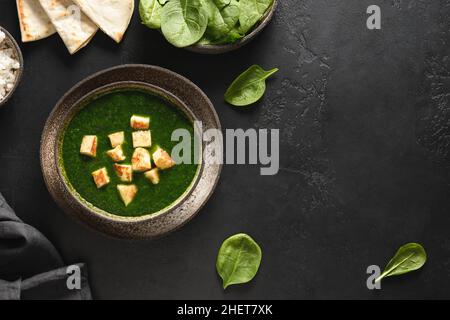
[
  {"x": 169, "y": 86},
  {"x": 18, "y": 55},
  {"x": 219, "y": 49}
]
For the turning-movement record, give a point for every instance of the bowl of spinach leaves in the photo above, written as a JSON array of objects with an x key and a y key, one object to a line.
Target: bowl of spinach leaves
[{"x": 208, "y": 26}]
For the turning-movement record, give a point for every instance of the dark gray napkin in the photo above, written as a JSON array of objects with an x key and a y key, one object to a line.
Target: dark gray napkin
[{"x": 30, "y": 266}]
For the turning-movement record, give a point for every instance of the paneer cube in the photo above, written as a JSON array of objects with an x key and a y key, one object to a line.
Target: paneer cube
[
  {"x": 162, "y": 159},
  {"x": 141, "y": 160},
  {"x": 124, "y": 172},
  {"x": 127, "y": 193},
  {"x": 117, "y": 138},
  {"x": 142, "y": 139},
  {"x": 116, "y": 154},
  {"x": 101, "y": 177},
  {"x": 89, "y": 146},
  {"x": 153, "y": 175},
  {"x": 139, "y": 122}
]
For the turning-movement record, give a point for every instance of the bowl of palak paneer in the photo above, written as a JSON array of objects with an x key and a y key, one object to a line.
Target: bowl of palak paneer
[{"x": 115, "y": 166}]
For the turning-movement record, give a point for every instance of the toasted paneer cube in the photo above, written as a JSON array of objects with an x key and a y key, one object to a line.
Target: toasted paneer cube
[
  {"x": 142, "y": 139},
  {"x": 153, "y": 175},
  {"x": 162, "y": 159},
  {"x": 101, "y": 177},
  {"x": 141, "y": 160},
  {"x": 89, "y": 146},
  {"x": 117, "y": 139},
  {"x": 116, "y": 154},
  {"x": 139, "y": 122},
  {"x": 127, "y": 193},
  {"x": 124, "y": 172}
]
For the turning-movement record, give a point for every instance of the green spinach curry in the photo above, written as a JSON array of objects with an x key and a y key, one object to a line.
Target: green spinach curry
[{"x": 111, "y": 113}]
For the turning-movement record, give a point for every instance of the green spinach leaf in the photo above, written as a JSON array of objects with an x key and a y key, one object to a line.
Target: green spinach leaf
[
  {"x": 150, "y": 12},
  {"x": 410, "y": 257},
  {"x": 221, "y": 21},
  {"x": 249, "y": 87},
  {"x": 230, "y": 14},
  {"x": 162, "y": 2},
  {"x": 251, "y": 12},
  {"x": 221, "y": 3},
  {"x": 232, "y": 37},
  {"x": 184, "y": 22},
  {"x": 216, "y": 25},
  {"x": 238, "y": 260}
]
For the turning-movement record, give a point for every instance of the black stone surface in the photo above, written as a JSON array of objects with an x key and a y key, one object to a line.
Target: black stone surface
[{"x": 365, "y": 149}]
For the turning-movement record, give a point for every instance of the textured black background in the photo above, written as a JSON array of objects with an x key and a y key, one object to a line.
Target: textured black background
[{"x": 365, "y": 133}]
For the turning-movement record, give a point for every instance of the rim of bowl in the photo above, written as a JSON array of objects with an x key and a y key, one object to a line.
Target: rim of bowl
[
  {"x": 15, "y": 46},
  {"x": 155, "y": 90},
  {"x": 224, "y": 48}
]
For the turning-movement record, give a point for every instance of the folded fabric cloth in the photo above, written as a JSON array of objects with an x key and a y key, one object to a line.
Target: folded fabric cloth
[{"x": 30, "y": 266}]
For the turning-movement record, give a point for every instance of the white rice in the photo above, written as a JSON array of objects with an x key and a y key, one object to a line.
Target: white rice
[{"x": 9, "y": 67}]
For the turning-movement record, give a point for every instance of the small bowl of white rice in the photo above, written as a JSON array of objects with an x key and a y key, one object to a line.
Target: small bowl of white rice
[{"x": 11, "y": 65}]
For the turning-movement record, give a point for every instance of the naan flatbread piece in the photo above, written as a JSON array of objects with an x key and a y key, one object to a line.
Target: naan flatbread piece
[
  {"x": 112, "y": 16},
  {"x": 34, "y": 22},
  {"x": 73, "y": 26}
]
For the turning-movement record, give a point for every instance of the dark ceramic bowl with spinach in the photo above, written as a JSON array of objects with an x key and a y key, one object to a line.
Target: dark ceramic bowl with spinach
[
  {"x": 224, "y": 48},
  {"x": 87, "y": 206},
  {"x": 208, "y": 26}
]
